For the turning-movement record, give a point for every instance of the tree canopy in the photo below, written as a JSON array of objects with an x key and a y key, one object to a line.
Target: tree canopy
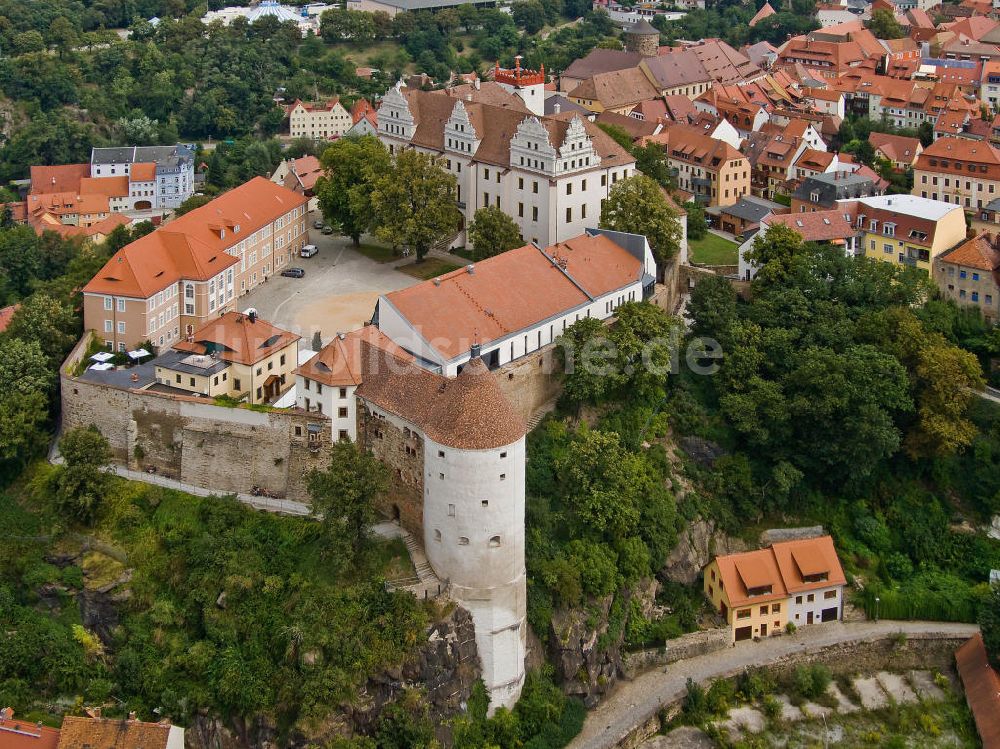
[
  {"x": 638, "y": 205},
  {"x": 492, "y": 232}
]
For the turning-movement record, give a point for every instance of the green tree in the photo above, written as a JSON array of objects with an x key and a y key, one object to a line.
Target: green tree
[
  {"x": 529, "y": 15},
  {"x": 413, "y": 203},
  {"x": 989, "y": 623},
  {"x": 884, "y": 26},
  {"x": 492, "y": 231},
  {"x": 345, "y": 494},
  {"x": 189, "y": 204},
  {"x": 23, "y": 367},
  {"x": 772, "y": 252},
  {"x": 80, "y": 484},
  {"x": 47, "y": 321},
  {"x": 638, "y": 205},
  {"x": 697, "y": 225},
  {"x": 351, "y": 167},
  {"x": 588, "y": 361},
  {"x": 713, "y": 308}
]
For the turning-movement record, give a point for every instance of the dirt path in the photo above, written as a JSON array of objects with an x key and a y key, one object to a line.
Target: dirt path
[{"x": 635, "y": 702}]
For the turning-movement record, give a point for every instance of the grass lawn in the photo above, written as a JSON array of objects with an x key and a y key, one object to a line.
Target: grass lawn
[
  {"x": 377, "y": 252},
  {"x": 429, "y": 268},
  {"x": 713, "y": 250}
]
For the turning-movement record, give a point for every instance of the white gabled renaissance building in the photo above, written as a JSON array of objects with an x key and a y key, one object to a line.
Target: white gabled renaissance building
[{"x": 550, "y": 174}]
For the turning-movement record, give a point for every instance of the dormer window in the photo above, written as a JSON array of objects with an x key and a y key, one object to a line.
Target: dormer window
[
  {"x": 222, "y": 233},
  {"x": 236, "y": 229}
]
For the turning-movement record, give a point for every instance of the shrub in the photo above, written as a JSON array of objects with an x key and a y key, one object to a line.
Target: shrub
[
  {"x": 755, "y": 683},
  {"x": 790, "y": 628},
  {"x": 720, "y": 696},
  {"x": 694, "y": 708},
  {"x": 772, "y": 707},
  {"x": 811, "y": 681}
]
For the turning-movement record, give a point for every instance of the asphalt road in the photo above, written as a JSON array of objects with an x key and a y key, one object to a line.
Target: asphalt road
[{"x": 634, "y": 702}]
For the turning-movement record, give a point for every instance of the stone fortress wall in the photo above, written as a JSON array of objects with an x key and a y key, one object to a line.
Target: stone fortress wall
[{"x": 194, "y": 441}]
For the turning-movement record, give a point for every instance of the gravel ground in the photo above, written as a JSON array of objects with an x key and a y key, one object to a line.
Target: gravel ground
[
  {"x": 896, "y": 687},
  {"x": 872, "y": 695},
  {"x": 923, "y": 684}
]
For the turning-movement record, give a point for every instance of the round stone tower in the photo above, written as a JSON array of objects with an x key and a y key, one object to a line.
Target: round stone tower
[
  {"x": 474, "y": 466},
  {"x": 643, "y": 38}
]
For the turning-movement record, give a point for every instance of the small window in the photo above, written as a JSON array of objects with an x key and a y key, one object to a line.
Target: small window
[
  {"x": 810, "y": 598},
  {"x": 342, "y": 413},
  {"x": 485, "y": 503},
  {"x": 343, "y": 392},
  {"x": 494, "y": 542},
  {"x": 437, "y": 535},
  {"x": 503, "y": 476},
  {"x": 775, "y": 608},
  {"x": 441, "y": 476},
  {"x": 451, "y": 511},
  {"x": 830, "y": 594},
  {"x": 503, "y": 454},
  {"x": 798, "y": 599},
  {"x": 463, "y": 540},
  {"x": 298, "y": 431},
  {"x": 743, "y": 614}
]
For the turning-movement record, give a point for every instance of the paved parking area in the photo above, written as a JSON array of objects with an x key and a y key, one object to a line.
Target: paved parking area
[{"x": 337, "y": 294}]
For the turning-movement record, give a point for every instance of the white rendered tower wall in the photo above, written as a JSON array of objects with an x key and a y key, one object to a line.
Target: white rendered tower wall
[{"x": 474, "y": 537}]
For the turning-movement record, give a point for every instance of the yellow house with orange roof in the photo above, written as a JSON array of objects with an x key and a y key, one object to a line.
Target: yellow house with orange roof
[{"x": 758, "y": 592}]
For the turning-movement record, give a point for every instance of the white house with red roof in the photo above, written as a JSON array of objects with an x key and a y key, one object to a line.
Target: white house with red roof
[
  {"x": 518, "y": 302},
  {"x": 324, "y": 120}
]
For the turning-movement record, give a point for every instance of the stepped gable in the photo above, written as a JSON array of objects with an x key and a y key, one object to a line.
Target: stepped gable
[{"x": 468, "y": 412}]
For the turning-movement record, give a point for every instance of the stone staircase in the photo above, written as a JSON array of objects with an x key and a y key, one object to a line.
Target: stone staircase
[
  {"x": 540, "y": 413},
  {"x": 426, "y": 584}
]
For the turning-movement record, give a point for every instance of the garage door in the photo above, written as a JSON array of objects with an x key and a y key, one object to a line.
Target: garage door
[
  {"x": 744, "y": 633},
  {"x": 830, "y": 615}
]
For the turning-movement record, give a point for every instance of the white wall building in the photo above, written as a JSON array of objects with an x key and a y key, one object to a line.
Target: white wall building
[
  {"x": 549, "y": 174},
  {"x": 164, "y": 175},
  {"x": 515, "y": 303},
  {"x": 318, "y": 121}
]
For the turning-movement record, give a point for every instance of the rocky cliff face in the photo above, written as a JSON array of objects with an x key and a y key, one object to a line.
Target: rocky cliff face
[
  {"x": 585, "y": 644},
  {"x": 696, "y": 546}
]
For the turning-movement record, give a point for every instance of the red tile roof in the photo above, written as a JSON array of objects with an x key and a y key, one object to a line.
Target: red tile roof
[
  {"x": 514, "y": 291},
  {"x": 979, "y": 252},
  {"x": 469, "y": 412},
  {"x": 143, "y": 172},
  {"x": 6, "y": 314},
  {"x": 817, "y": 226},
  {"x": 235, "y": 337},
  {"x": 782, "y": 567},
  {"x": 21, "y": 734},
  {"x": 340, "y": 363},
  {"x": 982, "y": 689},
  {"x": 958, "y": 153},
  {"x": 765, "y": 11},
  {"x": 895, "y": 147},
  {"x": 102, "y": 733},
  {"x": 111, "y": 187},
  {"x": 193, "y": 246},
  {"x": 65, "y": 178}
]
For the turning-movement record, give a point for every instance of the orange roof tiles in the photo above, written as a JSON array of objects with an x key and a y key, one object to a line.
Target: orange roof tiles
[
  {"x": 953, "y": 155},
  {"x": 513, "y": 291},
  {"x": 979, "y": 252},
  {"x": 765, "y": 11},
  {"x": 750, "y": 570},
  {"x": 817, "y": 226},
  {"x": 781, "y": 567},
  {"x": 238, "y": 338},
  {"x": 111, "y": 187},
  {"x": 895, "y": 147},
  {"x": 6, "y": 315},
  {"x": 469, "y": 412},
  {"x": 103, "y": 733},
  {"x": 811, "y": 557},
  {"x": 982, "y": 689},
  {"x": 64, "y": 178},
  {"x": 143, "y": 172},
  {"x": 64, "y": 203},
  {"x": 340, "y": 362},
  {"x": 193, "y": 246},
  {"x": 22, "y": 734}
]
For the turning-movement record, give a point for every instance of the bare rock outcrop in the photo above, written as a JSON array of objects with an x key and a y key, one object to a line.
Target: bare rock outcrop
[{"x": 696, "y": 546}]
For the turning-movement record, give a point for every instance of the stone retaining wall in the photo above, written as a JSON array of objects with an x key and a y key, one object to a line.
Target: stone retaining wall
[
  {"x": 680, "y": 648},
  {"x": 918, "y": 651},
  {"x": 194, "y": 441}
]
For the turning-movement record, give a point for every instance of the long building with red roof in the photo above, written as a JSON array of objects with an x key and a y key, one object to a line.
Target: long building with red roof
[{"x": 166, "y": 284}]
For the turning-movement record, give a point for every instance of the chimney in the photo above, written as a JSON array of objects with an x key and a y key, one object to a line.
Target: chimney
[
  {"x": 476, "y": 350},
  {"x": 475, "y": 83},
  {"x": 470, "y": 269},
  {"x": 131, "y": 715},
  {"x": 557, "y": 108},
  {"x": 6, "y": 714},
  {"x": 252, "y": 316},
  {"x": 340, "y": 335}
]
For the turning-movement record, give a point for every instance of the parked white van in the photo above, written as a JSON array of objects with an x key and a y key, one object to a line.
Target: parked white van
[{"x": 308, "y": 251}]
